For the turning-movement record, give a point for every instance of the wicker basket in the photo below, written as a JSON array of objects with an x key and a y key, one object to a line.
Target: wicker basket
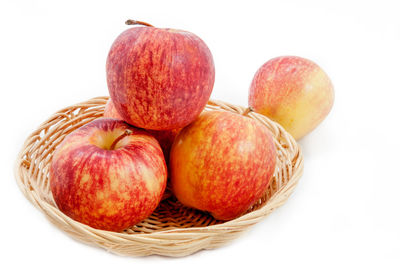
[{"x": 172, "y": 229}]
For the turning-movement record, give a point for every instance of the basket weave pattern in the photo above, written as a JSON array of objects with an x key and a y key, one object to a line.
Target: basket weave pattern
[{"x": 172, "y": 229}]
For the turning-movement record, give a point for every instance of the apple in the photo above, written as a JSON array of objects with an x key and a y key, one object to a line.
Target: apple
[
  {"x": 222, "y": 163},
  {"x": 293, "y": 91},
  {"x": 108, "y": 175},
  {"x": 164, "y": 137},
  {"x": 158, "y": 78},
  {"x": 110, "y": 111}
]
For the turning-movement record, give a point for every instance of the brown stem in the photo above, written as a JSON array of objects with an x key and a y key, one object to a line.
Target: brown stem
[
  {"x": 137, "y": 22},
  {"x": 248, "y": 110},
  {"x": 126, "y": 133}
]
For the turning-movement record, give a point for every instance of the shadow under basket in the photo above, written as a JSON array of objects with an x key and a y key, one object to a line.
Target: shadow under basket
[{"x": 172, "y": 229}]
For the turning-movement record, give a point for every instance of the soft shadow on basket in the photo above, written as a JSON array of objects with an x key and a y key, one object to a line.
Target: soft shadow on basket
[{"x": 172, "y": 229}]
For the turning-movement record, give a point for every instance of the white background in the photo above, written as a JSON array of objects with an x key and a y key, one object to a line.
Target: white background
[{"x": 345, "y": 209}]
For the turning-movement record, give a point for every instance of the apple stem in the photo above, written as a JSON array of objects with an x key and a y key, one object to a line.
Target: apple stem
[
  {"x": 137, "y": 22},
  {"x": 126, "y": 133},
  {"x": 248, "y": 110}
]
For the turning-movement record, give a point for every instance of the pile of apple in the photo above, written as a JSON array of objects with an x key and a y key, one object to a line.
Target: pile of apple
[{"x": 111, "y": 173}]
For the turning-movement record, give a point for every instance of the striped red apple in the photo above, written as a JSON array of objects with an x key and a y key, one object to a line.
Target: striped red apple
[
  {"x": 159, "y": 78},
  {"x": 108, "y": 175}
]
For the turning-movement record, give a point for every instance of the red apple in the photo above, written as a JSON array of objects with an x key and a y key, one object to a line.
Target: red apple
[
  {"x": 110, "y": 111},
  {"x": 159, "y": 78},
  {"x": 164, "y": 137},
  {"x": 222, "y": 163},
  {"x": 293, "y": 91},
  {"x": 108, "y": 175}
]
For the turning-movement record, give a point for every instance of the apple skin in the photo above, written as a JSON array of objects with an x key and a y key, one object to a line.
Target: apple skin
[
  {"x": 159, "y": 79},
  {"x": 293, "y": 91},
  {"x": 222, "y": 163},
  {"x": 108, "y": 189},
  {"x": 164, "y": 137},
  {"x": 110, "y": 111}
]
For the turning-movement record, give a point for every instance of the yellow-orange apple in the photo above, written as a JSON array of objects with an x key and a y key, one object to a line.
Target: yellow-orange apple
[
  {"x": 108, "y": 175},
  {"x": 158, "y": 78},
  {"x": 222, "y": 163},
  {"x": 293, "y": 91},
  {"x": 164, "y": 137}
]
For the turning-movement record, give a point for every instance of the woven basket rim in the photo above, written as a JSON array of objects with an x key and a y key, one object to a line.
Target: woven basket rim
[{"x": 245, "y": 220}]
